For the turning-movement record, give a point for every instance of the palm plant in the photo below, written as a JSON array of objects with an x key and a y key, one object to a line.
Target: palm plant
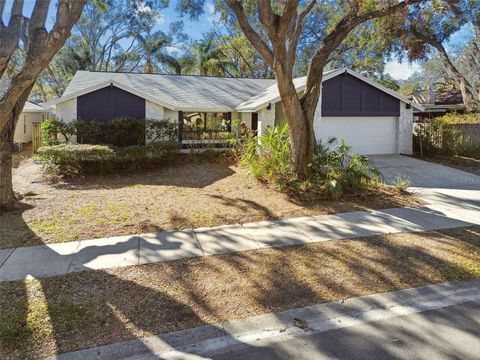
[
  {"x": 153, "y": 47},
  {"x": 205, "y": 57}
]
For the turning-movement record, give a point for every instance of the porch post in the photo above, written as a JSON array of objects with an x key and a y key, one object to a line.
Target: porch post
[
  {"x": 180, "y": 126},
  {"x": 229, "y": 124}
]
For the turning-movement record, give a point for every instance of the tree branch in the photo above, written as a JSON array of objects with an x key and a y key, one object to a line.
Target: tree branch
[
  {"x": 334, "y": 39},
  {"x": 40, "y": 55},
  {"x": 298, "y": 29},
  {"x": 255, "y": 39},
  {"x": 10, "y": 34}
]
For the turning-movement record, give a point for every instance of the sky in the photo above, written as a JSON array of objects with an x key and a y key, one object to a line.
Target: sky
[{"x": 195, "y": 29}]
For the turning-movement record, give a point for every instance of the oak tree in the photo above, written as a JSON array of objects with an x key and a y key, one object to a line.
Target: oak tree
[
  {"x": 40, "y": 46},
  {"x": 282, "y": 21}
]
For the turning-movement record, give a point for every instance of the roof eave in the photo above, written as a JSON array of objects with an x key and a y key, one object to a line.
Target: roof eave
[
  {"x": 105, "y": 84},
  {"x": 39, "y": 108}
]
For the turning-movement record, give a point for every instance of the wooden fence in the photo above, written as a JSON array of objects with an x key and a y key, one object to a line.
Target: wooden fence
[
  {"x": 36, "y": 136},
  {"x": 470, "y": 134},
  {"x": 433, "y": 138}
]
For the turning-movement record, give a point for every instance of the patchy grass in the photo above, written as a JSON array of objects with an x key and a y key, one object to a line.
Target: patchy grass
[
  {"x": 463, "y": 163},
  {"x": 402, "y": 184},
  {"x": 192, "y": 195},
  {"x": 80, "y": 310}
]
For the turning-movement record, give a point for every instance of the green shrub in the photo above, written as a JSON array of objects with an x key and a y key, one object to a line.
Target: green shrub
[
  {"x": 332, "y": 173},
  {"x": 340, "y": 171},
  {"x": 123, "y": 131},
  {"x": 82, "y": 159},
  {"x": 454, "y": 118},
  {"x": 69, "y": 160},
  {"x": 52, "y": 128},
  {"x": 161, "y": 130}
]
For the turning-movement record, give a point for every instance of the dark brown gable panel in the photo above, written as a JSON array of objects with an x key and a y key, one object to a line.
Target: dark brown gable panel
[{"x": 346, "y": 95}]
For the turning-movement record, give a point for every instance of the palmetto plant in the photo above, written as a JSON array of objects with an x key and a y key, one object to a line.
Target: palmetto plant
[
  {"x": 154, "y": 49},
  {"x": 334, "y": 171},
  {"x": 269, "y": 154}
]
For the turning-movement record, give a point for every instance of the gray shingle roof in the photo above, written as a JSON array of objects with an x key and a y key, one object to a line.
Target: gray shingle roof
[
  {"x": 198, "y": 93},
  {"x": 174, "y": 91}
]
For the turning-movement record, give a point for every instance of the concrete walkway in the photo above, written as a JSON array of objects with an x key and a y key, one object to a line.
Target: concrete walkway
[
  {"x": 455, "y": 203},
  {"x": 62, "y": 258},
  {"x": 429, "y": 322}
]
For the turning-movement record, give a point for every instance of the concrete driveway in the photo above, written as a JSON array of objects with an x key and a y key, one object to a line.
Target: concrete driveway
[
  {"x": 451, "y": 192},
  {"x": 424, "y": 174}
]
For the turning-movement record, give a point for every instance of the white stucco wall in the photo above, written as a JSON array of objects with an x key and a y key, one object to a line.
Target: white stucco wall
[
  {"x": 153, "y": 111},
  {"x": 266, "y": 119},
  {"x": 67, "y": 110},
  {"x": 23, "y": 130},
  {"x": 405, "y": 130},
  {"x": 170, "y": 115}
]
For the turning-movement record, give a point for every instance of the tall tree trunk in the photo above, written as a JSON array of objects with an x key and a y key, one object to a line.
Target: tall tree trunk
[
  {"x": 40, "y": 46},
  {"x": 7, "y": 196},
  {"x": 300, "y": 124}
]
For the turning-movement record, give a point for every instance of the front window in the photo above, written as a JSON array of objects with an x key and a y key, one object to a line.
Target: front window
[{"x": 202, "y": 126}]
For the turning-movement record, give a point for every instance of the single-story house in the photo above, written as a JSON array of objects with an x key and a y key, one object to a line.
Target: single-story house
[
  {"x": 369, "y": 117},
  {"x": 437, "y": 103},
  {"x": 31, "y": 113}
]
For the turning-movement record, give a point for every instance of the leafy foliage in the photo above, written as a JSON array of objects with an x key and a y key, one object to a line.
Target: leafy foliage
[
  {"x": 123, "y": 131},
  {"x": 163, "y": 130},
  {"x": 82, "y": 159},
  {"x": 52, "y": 128},
  {"x": 454, "y": 118},
  {"x": 67, "y": 159},
  {"x": 333, "y": 172}
]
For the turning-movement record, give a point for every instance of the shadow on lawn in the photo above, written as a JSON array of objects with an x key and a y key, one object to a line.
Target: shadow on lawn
[
  {"x": 14, "y": 227},
  {"x": 184, "y": 174},
  {"x": 92, "y": 308}
]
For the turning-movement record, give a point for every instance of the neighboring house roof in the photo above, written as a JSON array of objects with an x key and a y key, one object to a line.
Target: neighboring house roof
[
  {"x": 32, "y": 107},
  {"x": 444, "y": 97},
  {"x": 198, "y": 93}
]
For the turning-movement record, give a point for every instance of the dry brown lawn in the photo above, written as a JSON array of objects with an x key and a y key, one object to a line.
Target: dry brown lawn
[
  {"x": 64, "y": 313},
  {"x": 24, "y": 154},
  {"x": 188, "y": 195}
]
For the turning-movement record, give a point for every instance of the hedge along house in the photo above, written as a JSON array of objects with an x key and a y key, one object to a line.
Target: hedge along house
[{"x": 370, "y": 118}]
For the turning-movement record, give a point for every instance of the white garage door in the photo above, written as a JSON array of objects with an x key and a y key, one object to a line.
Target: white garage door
[{"x": 373, "y": 135}]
